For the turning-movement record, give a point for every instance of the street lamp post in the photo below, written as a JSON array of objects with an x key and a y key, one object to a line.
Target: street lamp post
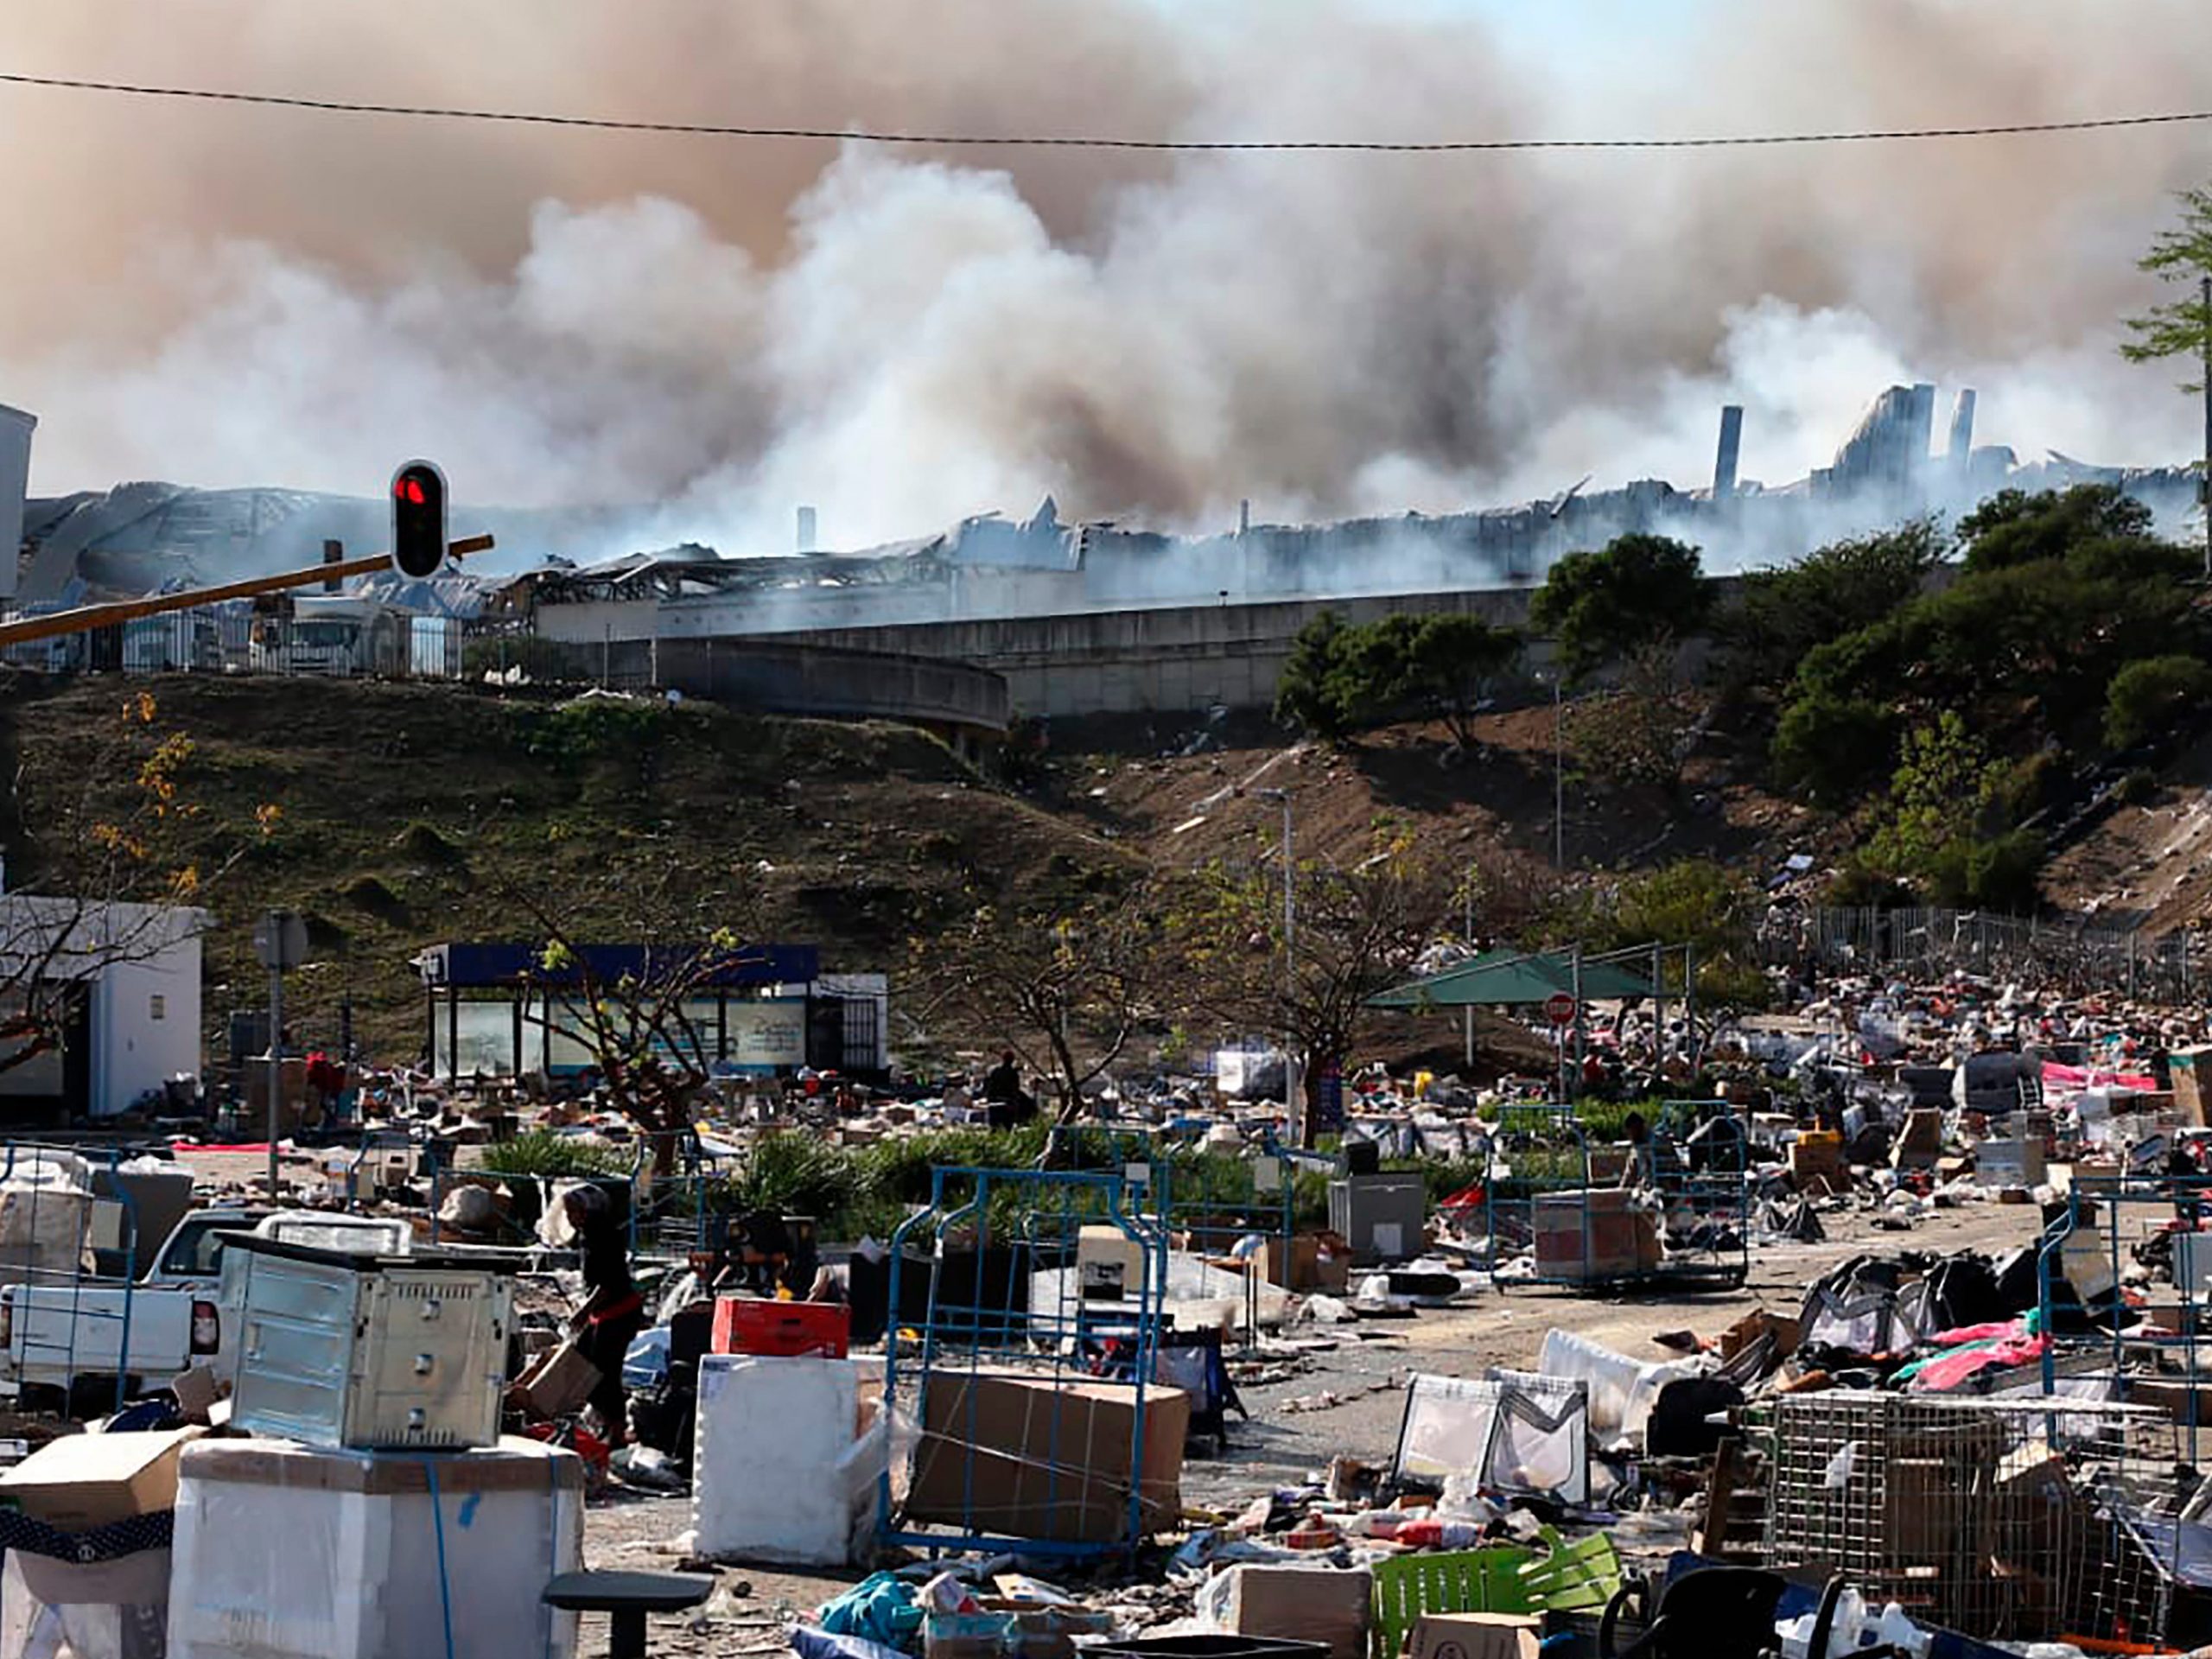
[{"x": 1291, "y": 1100}]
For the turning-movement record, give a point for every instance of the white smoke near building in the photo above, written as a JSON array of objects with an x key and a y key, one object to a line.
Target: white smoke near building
[{"x": 903, "y": 336}]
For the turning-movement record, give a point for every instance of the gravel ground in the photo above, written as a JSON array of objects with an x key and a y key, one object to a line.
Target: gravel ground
[{"x": 1282, "y": 1447}]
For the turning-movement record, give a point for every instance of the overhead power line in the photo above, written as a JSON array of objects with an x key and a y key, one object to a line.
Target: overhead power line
[{"x": 1082, "y": 140}]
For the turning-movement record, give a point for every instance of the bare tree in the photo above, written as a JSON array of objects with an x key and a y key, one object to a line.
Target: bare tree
[
  {"x": 114, "y": 889},
  {"x": 1360, "y": 928},
  {"x": 633, "y": 1006},
  {"x": 1069, "y": 985}
]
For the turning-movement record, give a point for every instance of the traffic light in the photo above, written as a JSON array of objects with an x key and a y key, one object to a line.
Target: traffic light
[{"x": 418, "y": 519}]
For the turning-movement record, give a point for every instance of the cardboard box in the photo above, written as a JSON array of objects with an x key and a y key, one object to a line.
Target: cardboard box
[
  {"x": 1315, "y": 1262},
  {"x": 1018, "y": 1456},
  {"x": 1920, "y": 1142},
  {"x": 1787, "y": 1331},
  {"x": 1306, "y": 1604},
  {"x": 560, "y": 1382},
  {"x": 1474, "y": 1636},
  {"x": 1818, "y": 1154},
  {"x": 83, "y": 1481},
  {"x": 1047, "y": 1632},
  {"x": 1109, "y": 1264},
  {"x": 1599, "y": 1236},
  {"x": 2011, "y": 1163}
]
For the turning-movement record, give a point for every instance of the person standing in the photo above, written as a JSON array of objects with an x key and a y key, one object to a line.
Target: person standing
[{"x": 613, "y": 1312}]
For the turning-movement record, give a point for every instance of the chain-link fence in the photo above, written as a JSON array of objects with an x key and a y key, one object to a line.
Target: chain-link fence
[{"x": 2067, "y": 953}]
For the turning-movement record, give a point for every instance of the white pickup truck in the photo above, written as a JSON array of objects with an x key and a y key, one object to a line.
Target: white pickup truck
[{"x": 71, "y": 1340}]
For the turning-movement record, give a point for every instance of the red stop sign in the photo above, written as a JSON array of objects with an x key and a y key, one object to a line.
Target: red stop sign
[{"x": 1559, "y": 1008}]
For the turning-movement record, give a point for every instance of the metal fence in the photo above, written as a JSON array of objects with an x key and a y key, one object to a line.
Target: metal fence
[
  {"x": 2070, "y": 953},
  {"x": 231, "y": 639}
]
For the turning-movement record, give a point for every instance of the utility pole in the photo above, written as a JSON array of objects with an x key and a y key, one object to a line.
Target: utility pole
[
  {"x": 2205, "y": 494},
  {"x": 1292, "y": 1103},
  {"x": 1559, "y": 772}
]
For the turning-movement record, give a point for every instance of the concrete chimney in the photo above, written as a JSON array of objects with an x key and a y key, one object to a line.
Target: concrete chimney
[
  {"x": 1961, "y": 454},
  {"x": 15, "y": 485},
  {"x": 1244, "y": 517},
  {"x": 1732, "y": 444},
  {"x": 334, "y": 553},
  {"x": 805, "y": 529},
  {"x": 1919, "y": 435}
]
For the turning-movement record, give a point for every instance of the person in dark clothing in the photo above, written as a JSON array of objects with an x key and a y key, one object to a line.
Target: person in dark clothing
[
  {"x": 1007, "y": 1103},
  {"x": 613, "y": 1312}
]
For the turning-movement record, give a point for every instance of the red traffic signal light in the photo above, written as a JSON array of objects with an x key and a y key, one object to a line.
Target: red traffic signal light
[{"x": 418, "y": 519}]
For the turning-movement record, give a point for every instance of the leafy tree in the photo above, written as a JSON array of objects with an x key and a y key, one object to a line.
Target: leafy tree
[
  {"x": 2014, "y": 528},
  {"x": 1832, "y": 592},
  {"x": 2183, "y": 255},
  {"x": 1338, "y": 679},
  {"x": 1440, "y": 667},
  {"x": 2148, "y": 694},
  {"x": 1641, "y": 590},
  {"x": 1946, "y": 829},
  {"x": 1642, "y": 732},
  {"x": 1310, "y": 692},
  {"x": 1833, "y": 749},
  {"x": 1068, "y": 986}
]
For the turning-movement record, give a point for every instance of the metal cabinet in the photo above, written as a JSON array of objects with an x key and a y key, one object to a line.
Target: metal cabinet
[{"x": 367, "y": 1352}]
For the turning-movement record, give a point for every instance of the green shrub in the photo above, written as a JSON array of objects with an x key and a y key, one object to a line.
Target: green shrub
[
  {"x": 546, "y": 1153},
  {"x": 2147, "y": 695}
]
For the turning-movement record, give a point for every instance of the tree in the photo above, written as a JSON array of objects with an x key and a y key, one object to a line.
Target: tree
[
  {"x": 1641, "y": 733},
  {"x": 2147, "y": 695},
  {"x": 118, "y": 883},
  {"x": 1946, "y": 829},
  {"x": 1830, "y": 749},
  {"x": 2014, "y": 528},
  {"x": 1310, "y": 692},
  {"x": 1835, "y": 590},
  {"x": 1443, "y": 667},
  {"x": 636, "y": 1005},
  {"x": 1360, "y": 930},
  {"x": 1072, "y": 985},
  {"x": 1641, "y": 590},
  {"x": 2183, "y": 254}
]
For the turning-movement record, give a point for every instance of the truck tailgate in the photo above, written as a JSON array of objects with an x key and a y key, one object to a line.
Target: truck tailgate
[{"x": 55, "y": 1332}]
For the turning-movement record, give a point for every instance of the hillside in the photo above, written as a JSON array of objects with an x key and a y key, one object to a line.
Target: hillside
[{"x": 411, "y": 814}]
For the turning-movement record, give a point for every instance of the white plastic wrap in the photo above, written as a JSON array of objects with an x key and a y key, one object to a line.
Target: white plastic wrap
[
  {"x": 1622, "y": 1390},
  {"x": 275, "y": 1565},
  {"x": 54, "y": 1609},
  {"x": 46, "y": 1207}
]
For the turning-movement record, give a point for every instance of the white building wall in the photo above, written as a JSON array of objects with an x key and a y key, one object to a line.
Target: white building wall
[
  {"x": 145, "y": 1026},
  {"x": 15, "y": 484}
]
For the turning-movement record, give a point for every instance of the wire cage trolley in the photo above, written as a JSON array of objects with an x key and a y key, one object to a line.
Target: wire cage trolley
[{"x": 1027, "y": 1381}]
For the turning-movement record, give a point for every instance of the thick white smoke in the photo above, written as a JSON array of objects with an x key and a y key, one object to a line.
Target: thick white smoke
[{"x": 726, "y": 330}]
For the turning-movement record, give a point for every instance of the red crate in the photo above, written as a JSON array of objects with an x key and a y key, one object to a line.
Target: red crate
[{"x": 747, "y": 1324}]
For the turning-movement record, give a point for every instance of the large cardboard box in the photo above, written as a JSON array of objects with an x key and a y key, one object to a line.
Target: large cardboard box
[
  {"x": 1818, "y": 1154},
  {"x": 1313, "y": 1263},
  {"x": 1011, "y": 1455},
  {"x": 1594, "y": 1236},
  {"x": 1306, "y": 1604},
  {"x": 1474, "y": 1636},
  {"x": 83, "y": 1481}
]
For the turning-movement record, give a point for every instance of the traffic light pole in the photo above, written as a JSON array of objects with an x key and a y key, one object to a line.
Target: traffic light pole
[{"x": 86, "y": 618}]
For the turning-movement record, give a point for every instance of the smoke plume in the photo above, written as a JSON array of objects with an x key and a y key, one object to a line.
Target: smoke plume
[{"x": 723, "y": 329}]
